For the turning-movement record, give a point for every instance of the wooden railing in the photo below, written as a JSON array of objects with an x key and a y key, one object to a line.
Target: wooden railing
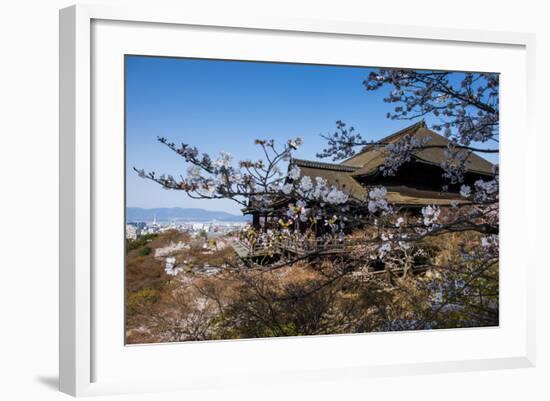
[
  {"x": 306, "y": 247},
  {"x": 294, "y": 245},
  {"x": 318, "y": 245}
]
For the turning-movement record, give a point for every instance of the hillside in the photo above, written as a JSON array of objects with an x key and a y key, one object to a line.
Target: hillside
[{"x": 134, "y": 214}]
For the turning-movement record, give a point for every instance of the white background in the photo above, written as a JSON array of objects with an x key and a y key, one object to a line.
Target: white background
[{"x": 28, "y": 227}]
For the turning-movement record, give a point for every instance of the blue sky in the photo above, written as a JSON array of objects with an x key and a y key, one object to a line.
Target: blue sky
[{"x": 225, "y": 105}]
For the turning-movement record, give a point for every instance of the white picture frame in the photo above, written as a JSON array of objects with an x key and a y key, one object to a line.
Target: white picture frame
[{"x": 79, "y": 215}]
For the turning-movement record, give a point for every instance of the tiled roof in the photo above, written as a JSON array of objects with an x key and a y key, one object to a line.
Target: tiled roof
[
  {"x": 368, "y": 161},
  {"x": 372, "y": 157},
  {"x": 324, "y": 166}
]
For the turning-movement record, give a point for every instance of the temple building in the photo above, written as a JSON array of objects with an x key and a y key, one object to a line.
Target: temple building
[{"x": 417, "y": 183}]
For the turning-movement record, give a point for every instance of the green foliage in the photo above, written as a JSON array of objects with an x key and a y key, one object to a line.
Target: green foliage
[
  {"x": 137, "y": 301},
  {"x": 144, "y": 251},
  {"x": 132, "y": 244}
]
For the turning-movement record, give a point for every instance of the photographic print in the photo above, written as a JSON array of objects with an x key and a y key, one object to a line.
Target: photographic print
[{"x": 280, "y": 199}]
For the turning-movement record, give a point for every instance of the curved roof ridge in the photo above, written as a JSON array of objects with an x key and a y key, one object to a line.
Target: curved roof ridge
[
  {"x": 403, "y": 131},
  {"x": 323, "y": 165}
]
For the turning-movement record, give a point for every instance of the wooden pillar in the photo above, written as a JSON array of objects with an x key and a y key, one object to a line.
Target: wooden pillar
[{"x": 256, "y": 220}]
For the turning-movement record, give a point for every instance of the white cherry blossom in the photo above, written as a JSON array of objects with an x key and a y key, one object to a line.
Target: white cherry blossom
[
  {"x": 294, "y": 173},
  {"x": 465, "y": 191},
  {"x": 430, "y": 215}
]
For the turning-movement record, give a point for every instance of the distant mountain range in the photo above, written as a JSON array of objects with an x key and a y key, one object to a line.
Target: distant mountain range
[{"x": 134, "y": 214}]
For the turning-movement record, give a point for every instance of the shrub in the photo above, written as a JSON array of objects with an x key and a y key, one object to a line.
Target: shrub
[
  {"x": 137, "y": 301},
  {"x": 144, "y": 251},
  {"x": 132, "y": 244}
]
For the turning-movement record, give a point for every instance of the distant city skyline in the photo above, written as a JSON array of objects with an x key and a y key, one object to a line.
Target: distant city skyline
[{"x": 220, "y": 105}]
